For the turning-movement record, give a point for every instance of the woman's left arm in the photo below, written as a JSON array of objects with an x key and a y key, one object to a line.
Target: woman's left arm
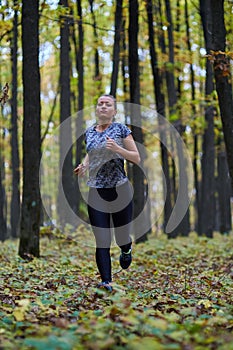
[{"x": 129, "y": 152}]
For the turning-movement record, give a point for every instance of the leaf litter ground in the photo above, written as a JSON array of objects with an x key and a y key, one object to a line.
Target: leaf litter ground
[{"x": 177, "y": 294}]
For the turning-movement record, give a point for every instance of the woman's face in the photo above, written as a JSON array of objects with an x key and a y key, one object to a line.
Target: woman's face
[{"x": 105, "y": 109}]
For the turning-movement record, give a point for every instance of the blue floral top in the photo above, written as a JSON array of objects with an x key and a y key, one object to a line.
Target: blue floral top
[{"x": 106, "y": 168}]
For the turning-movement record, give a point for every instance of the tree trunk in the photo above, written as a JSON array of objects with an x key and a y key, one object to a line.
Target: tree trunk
[
  {"x": 66, "y": 186},
  {"x": 207, "y": 212},
  {"x": 15, "y": 199},
  {"x": 160, "y": 107},
  {"x": 79, "y": 121},
  {"x": 124, "y": 60},
  {"x": 116, "y": 47},
  {"x": 160, "y": 103},
  {"x": 224, "y": 194},
  {"x": 30, "y": 214},
  {"x": 80, "y": 58},
  {"x": 138, "y": 176},
  {"x": 97, "y": 75},
  {"x": 183, "y": 227},
  {"x": 193, "y": 116},
  {"x": 3, "y": 224},
  {"x": 222, "y": 73},
  {"x": 172, "y": 93},
  {"x": 80, "y": 105},
  {"x": 207, "y": 205}
]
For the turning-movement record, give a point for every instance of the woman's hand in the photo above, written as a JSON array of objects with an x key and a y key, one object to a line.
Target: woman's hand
[
  {"x": 80, "y": 170},
  {"x": 112, "y": 145},
  {"x": 129, "y": 152}
]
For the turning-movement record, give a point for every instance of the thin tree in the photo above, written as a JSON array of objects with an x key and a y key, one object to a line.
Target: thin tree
[
  {"x": 159, "y": 77},
  {"x": 79, "y": 53},
  {"x": 116, "y": 46},
  {"x": 15, "y": 199},
  {"x": 124, "y": 59},
  {"x": 31, "y": 203},
  {"x": 172, "y": 184},
  {"x": 3, "y": 201},
  {"x": 207, "y": 205},
  {"x": 184, "y": 227},
  {"x": 222, "y": 73},
  {"x": 193, "y": 116},
  {"x": 3, "y": 220},
  {"x": 138, "y": 176},
  {"x": 65, "y": 136},
  {"x": 160, "y": 107},
  {"x": 79, "y": 121},
  {"x": 97, "y": 76},
  {"x": 224, "y": 222},
  {"x": 171, "y": 88}
]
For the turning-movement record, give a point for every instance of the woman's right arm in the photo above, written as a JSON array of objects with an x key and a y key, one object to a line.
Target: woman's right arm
[{"x": 82, "y": 168}]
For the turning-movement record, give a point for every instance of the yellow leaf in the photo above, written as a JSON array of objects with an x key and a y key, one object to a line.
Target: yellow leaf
[
  {"x": 24, "y": 303},
  {"x": 19, "y": 314},
  {"x": 205, "y": 303},
  {"x": 19, "y": 311},
  {"x": 146, "y": 343},
  {"x": 158, "y": 323}
]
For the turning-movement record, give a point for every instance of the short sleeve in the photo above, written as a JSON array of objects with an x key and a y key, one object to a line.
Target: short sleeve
[{"x": 125, "y": 131}]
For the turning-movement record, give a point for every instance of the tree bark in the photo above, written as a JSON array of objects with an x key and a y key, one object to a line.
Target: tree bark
[
  {"x": 80, "y": 105},
  {"x": 15, "y": 199},
  {"x": 183, "y": 227},
  {"x": 222, "y": 73},
  {"x": 79, "y": 121},
  {"x": 66, "y": 163},
  {"x": 97, "y": 76},
  {"x": 171, "y": 88},
  {"x": 193, "y": 116},
  {"x": 3, "y": 224},
  {"x": 124, "y": 57},
  {"x": 160, "y": 107},
  {"x": 207, "y": 200},
  {"x": 207, "y": 203},
  {"x": 30, "y": 216},
  {"x": 224, "y": 194},
  {"x": 138, "y": 176},
  {"x": 79, "y": 57},
  {"x": 116, "y": 47}
]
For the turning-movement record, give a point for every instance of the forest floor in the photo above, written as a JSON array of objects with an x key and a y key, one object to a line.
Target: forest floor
[{"x": 177, "y": 294}]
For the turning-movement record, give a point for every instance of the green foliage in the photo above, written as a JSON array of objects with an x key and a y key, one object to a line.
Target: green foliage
[{"x": 176, "y": 295}]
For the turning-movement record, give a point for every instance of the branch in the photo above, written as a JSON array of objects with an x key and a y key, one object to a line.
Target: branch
[
  {"x": 50, "y": 116},
  {"x": 72, "y": 20}
]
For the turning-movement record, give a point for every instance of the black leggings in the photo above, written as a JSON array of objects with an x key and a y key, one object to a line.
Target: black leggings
[{"x": 110, "y": 208}]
